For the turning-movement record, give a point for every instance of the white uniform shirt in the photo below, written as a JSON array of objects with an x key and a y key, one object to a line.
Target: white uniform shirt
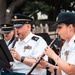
[
  {"x": 31, "y": 48},
  {"x": 68, "y": 52}
]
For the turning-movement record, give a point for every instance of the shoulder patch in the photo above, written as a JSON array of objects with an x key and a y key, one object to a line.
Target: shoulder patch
[
  {"x": 35, "y": 38},
  {"x": 74, "y": 41}
]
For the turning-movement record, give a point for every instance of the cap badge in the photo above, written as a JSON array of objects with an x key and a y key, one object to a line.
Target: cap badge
[
  {"x": 5, "y": 25},
  {"x": 57, "y": 19},
  {"x": 27, "y": 22},
  {"x": 15, "y": 17}
]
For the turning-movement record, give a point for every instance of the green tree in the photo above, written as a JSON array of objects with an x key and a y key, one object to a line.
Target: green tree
[
  {"x": 32, "y": 8},
  {"x": 6, "y": 10},
  {"x": 49, "y": 7}
]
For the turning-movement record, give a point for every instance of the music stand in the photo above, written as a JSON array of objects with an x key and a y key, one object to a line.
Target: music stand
[{"x": 5, "y": 56}]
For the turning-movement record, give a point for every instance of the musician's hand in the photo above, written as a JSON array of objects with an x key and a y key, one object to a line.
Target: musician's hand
[
  {"x": 49, "y": 52},
  {"x": 15, "y": 54},
  {"x": 42, "y": 62}
]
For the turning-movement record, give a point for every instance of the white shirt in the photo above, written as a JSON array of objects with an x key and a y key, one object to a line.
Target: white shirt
[
  {"x": 68, "y": 47},
  {"x": 30, "y": 48}
]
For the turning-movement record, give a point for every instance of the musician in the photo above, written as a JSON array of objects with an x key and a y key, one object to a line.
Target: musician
[
  {"x": 9, "y": 34},
  {"x": 28, "y": 47},
  {"x": 65, "y": 27}
]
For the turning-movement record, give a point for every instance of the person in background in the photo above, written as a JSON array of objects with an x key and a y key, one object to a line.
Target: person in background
[
  {"x": 8, "y": 33},
  {"x": 65, "y": 27},
  {"x": 27, "y": 48}
]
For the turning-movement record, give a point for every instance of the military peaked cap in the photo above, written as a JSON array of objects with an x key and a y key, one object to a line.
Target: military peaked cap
[
  {"x": 65, "y": 17},
  {"x": 6, "y": 28},
  {"x": 20, "y": 19}
]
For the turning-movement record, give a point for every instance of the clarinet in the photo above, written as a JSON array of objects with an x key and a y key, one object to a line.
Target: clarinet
[
  {"x": 37, "y": 62},
  {"x": 15, "y": 40}
]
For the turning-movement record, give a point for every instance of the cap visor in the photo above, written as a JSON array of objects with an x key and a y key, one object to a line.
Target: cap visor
[
  {"x": 5, "y": 32},
  {"x": 18, "y": 25}
]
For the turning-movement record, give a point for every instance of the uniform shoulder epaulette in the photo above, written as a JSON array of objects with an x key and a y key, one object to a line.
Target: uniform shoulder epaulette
[
  {"x": 35, "y": 38},
  {"x": 74, "y": 41}
]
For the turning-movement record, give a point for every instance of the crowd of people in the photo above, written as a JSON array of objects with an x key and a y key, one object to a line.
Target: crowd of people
[{"x": 29, "y": 46}]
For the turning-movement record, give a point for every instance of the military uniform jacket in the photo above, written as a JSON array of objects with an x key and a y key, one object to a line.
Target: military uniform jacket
[{"x": 31, "y": 47}]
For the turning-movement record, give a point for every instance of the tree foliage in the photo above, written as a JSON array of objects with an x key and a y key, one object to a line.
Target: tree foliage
[
  {"x": 8, "y": 9},
  {"x": 31, "y": 7},
  {"x": 49, "y": 7}
]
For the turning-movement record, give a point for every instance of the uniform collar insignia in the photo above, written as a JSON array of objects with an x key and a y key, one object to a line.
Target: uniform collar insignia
[{"x": 35, "y": 38}]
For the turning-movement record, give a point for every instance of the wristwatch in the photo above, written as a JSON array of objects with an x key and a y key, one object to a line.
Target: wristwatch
[{"x": 22, "y": 58}]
